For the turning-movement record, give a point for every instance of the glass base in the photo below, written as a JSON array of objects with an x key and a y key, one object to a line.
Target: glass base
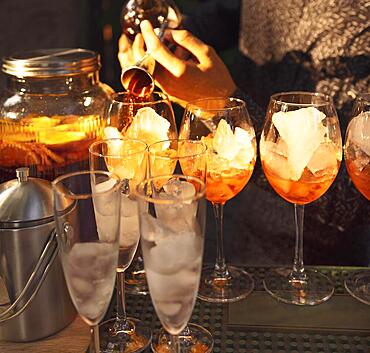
[
  {"x": 358, "y": 285},
  {"x": 215, "y": 289},
  {"x": 135, "y": 339},
  {"x": 194, "y": 339},
  {"x": 135, "y": 283},
  {"x": 316, "y": 289}
]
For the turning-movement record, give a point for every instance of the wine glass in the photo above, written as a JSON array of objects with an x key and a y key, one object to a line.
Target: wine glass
[
  {"x": 127, "y": 158},
  {"x": 150, "y": 120},
  {"x": 86, "y": 213},
  {"x": 178, "y": 156},
  {"x": 172, "y": 215},
  {"x": 357, "y": 158},
  {"x": 223, "y": 124},
  {"x": 187, "y": 157},
  {"x": 301, "y": 152}
]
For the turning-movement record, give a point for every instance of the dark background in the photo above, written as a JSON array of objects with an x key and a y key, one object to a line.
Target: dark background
[{"x": 90, "y": 24}]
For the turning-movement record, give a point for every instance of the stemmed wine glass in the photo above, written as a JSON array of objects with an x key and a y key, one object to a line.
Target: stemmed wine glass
[
  {"x": 301, "y": 152},
  {"x": 225, "y": 127},
  {"x": 86, "y": 213},
  {"x": 127, "y": 158},
  {"x": 149, "y": 120},
  {"x": 357, "y": 157},
  {"x": 172, "y": 214},
  {"x": 186, "y": 157}
]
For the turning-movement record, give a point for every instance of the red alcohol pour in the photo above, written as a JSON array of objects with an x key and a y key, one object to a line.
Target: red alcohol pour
[
  {"x": 308, "y": 188},
  {"x": 137, "y": 81},
  {"x": 361, "y": 178}
]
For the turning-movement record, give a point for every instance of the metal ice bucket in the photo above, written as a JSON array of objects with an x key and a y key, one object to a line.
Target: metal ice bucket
[{"x": 30, "y": 265}]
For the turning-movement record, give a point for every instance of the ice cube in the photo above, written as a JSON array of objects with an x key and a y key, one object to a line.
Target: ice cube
[
  {"x": 174, "y": 253},
  {"x": 224, "y": 141},
  {"x": 178, "y": 190},
  {"x": 361, "y": 159},
  {"x": 111, "y": 132},
  {"x": 129, "y": 231},
  {"x": 324, "y": 157},
  {"x": 148, "y": 126},
  {"x": 303, "y": 131},
  {"x": 276, "y": 159},
  {"x": 235, "y": 147},
  {"x": 151, "y": 229},
  {"x": 106, "y": 208},
  {"x": 359, "y": 131}
]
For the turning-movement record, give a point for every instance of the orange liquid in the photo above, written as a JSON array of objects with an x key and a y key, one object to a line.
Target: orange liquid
[
  {"x": 221, "y": 187},
  {"x": 361, "y": 178},
  {"x": 49, "y": 146},
  {"x": 305, "y": 190}
]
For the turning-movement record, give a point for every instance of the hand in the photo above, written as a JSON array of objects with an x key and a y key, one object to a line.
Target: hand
[
  {"x": 130, "y": 53},
  {"x": 184, "y": 80}
]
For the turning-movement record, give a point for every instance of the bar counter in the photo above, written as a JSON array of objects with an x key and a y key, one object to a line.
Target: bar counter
[{"x": 256, "y": 324}]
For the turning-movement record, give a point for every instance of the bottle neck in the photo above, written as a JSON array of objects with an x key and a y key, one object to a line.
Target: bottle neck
[{"x": 53, "y": 85}]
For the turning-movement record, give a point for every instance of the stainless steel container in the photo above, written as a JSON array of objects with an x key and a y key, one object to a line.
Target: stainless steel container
[{"x": 30, "y": 265}]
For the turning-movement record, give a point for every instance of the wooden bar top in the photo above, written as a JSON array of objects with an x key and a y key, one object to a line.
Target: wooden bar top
[{"x": 73, "y": 339}]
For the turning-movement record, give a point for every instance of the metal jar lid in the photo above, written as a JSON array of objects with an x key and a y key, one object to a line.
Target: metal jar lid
[
  {"x": 25, "y": 202},
  {"x": 51, "y": 62}
]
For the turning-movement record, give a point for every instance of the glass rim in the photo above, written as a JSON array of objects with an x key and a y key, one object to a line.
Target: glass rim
[
  {"x": 97, "y": 154},
  {"x": 198, "y": 194},
  {"x": 191, "y": 106},
  {"x": 195, "y": 154},
  {"x": 85, "y": 196},
  {"x": 163, "y": 98},
  {"x": 276, "y": 97}
]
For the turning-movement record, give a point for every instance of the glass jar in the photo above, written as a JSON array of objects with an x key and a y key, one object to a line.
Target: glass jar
[{"x": 50, "y": 112}]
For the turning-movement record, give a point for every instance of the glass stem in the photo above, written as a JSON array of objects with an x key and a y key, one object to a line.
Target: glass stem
[
  {"x": 121, "y": 323},
  {"x": 95, "y": 341},
  {"x": 221, "y": 270},
  {"x": 298, "y": 273},
  {"x": 175, "y": 344}
]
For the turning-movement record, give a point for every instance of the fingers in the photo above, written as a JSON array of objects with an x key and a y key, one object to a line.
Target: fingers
[
  {"x": 138, "y": 47},
  {"x": 194, "y": 45},
  {"x": 123, "y": 44},
  {"x": 160, "y": 52}
]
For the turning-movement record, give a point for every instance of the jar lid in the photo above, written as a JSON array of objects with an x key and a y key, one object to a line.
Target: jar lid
[
  {"x": 25, "y": 202},
  {"x": 51, "y": 62}
]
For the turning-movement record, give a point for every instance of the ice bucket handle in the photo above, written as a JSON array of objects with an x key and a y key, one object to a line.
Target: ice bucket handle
[{"x": 49, "y": 253}]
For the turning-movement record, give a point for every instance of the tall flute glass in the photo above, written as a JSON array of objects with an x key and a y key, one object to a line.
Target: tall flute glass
[
  {"x": 187, "y": 157},
  {"x": 127, "y": 158},
  {"x": 87, "y": 216},
  {"x": 301, "y": 152},
  {"x": 172, "y": 215},
  {"x": 357, "y": 157},
  {"x": 149, "y": 119},
  {"x": 225, "y": 127}
]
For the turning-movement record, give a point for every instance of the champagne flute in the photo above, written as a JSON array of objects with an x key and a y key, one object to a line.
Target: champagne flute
[
  {"x": 149, "y": 120},
  {"x": 127, "y": 158},
  {"x": 301, "y": 152},
  {"x": 357, "y": 157},
  {"x": 225, "y": 127},
  {"x": 86, "y": 213},
  {"x": 187, "y": 157},
  {"x": 172, "y": 215}
]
